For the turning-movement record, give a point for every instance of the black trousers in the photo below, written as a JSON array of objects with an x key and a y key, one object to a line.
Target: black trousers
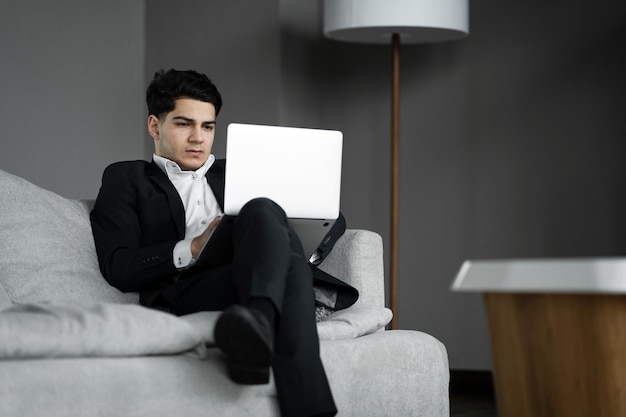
[{"x": 267, "y": 261}]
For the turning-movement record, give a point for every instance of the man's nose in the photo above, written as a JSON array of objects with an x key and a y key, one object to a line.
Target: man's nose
[{"x": 197, "y": 135}]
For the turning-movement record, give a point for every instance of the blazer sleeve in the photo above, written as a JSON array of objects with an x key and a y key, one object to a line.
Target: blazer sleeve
[{"x": 125, "y": 207}]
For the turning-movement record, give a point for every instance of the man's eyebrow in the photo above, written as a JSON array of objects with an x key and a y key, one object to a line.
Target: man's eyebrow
[{"x": 189, "y": 119}]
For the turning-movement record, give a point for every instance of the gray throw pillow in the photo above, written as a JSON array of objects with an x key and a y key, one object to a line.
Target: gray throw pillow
[{"x": 47, "y": 249}]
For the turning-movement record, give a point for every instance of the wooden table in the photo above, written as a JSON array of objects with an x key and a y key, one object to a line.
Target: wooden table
[{"x": 558, "y": 334}]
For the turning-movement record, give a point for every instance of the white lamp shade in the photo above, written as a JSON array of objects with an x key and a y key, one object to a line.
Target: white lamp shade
[{"x": 416, "y": 21}]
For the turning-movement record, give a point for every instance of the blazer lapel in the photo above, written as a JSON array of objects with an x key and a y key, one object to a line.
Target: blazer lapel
[
  {"x": 216, "y": 182},
  {"x": 175, "y": 204}
]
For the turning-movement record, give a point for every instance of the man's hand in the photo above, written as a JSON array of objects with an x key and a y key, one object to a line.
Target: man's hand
[{"x": 198, "y": 242}]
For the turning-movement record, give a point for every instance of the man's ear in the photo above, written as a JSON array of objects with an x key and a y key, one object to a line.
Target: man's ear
[{"x": 153, "y": 126}]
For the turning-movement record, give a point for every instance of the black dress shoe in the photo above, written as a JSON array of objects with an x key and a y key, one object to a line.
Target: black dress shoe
[{"x": 246, "y": 337}]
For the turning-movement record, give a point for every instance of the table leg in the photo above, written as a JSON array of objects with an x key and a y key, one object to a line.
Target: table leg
[{"x": 558, "y": 355}]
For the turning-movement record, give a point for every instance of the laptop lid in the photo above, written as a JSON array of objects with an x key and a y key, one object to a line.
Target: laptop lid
[{"x": 298, "y": 168}]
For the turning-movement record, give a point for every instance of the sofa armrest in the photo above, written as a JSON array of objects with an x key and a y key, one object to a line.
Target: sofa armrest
[
  {"x": 391, "y": 373},
  {"x": 357, "y": 259}
]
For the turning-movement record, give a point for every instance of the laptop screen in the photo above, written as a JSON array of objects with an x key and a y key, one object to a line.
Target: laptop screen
[{"x": 298, "y": 168}]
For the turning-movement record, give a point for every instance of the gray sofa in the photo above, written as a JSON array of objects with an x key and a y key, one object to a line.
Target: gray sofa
[{"x": 71, "y": 345}]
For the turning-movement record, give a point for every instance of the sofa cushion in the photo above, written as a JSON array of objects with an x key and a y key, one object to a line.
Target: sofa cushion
[
  {"x": 47, "y": 247},
  {"x": 60, "y": 330},
  {"x": 353, "y": 322},
  {"x": 49, "y": 330},
  {"x": 350, "y": 323}
]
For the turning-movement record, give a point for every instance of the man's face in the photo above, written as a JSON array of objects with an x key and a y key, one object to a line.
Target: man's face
[{"x": 185, "y": 135}]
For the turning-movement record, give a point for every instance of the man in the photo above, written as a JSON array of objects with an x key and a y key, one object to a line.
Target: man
[{"x": 151, "y": 220}]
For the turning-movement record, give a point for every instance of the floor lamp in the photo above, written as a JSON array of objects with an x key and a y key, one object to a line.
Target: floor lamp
[{"x": 393, "y": 22}]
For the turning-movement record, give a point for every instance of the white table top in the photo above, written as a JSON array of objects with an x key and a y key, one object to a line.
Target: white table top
[{"x": 574, "y": 275}]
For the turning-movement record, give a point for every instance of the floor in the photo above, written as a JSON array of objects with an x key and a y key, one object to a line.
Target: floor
[{"x": 472, "y": 394}]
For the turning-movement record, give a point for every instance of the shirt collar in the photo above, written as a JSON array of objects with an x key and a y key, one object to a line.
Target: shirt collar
[{"x": 172, "y": 169}]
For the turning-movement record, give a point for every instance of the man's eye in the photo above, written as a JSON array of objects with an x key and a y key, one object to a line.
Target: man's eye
[
  {"x": 182, "y": 124},
  {"x": 209, "y": 127}
]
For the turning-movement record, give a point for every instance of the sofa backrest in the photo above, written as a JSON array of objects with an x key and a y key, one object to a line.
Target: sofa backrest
[{"x": 47, "y": 251}]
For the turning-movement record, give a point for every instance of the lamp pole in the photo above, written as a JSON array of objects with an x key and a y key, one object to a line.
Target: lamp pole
[{"x": 395, "y": 176}]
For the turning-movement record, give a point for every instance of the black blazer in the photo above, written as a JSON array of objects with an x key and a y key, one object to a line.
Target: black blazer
[{"x": 137, "y": 220}]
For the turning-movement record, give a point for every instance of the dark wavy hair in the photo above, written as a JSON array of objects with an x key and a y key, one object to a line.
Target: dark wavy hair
[{"x": 167, "y": 86}]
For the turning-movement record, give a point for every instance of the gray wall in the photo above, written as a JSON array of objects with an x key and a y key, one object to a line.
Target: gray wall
[
  {"x": 71, "y": 81},
  {"x": 514, "y": 145},
  {"x": 512, "y": 139}
]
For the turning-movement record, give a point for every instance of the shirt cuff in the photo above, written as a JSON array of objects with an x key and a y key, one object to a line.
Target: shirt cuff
[{"x": 182, "y": 254}]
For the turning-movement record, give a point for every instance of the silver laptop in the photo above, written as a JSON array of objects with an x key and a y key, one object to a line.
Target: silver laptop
[{"x": 298, "y": 168}]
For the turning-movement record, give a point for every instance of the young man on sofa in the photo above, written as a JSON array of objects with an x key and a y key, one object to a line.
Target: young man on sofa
[{"x": 151, "y": 220}]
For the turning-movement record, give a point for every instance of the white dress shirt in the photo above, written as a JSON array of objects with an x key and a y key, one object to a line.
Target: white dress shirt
[{"x": 200, "y": 203}]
